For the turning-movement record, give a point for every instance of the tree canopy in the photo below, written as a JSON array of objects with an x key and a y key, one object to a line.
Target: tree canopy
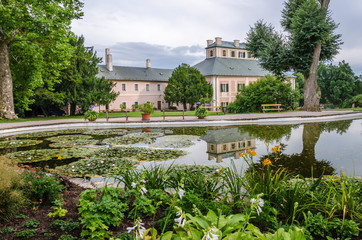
[
  {"x": 310, "y": 37},
  {"x": 35, "y": 35},
  {"x": 266, "y": 90},
  {"x": 336, "y": 83},
  {"x": 187, "y": 85}
]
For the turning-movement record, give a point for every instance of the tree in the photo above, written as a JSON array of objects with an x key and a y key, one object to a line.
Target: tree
[
  {"x": 336, "y": 83},
  {"x": 267, "y": 90},
  {"x": 310, "y": 38},
  {"x": 187, "y": 85},
  {"x": 39, "y": 22},
  {"x": 79, "y": 83}
]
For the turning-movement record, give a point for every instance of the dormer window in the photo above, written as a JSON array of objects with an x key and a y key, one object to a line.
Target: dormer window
[{"x": 224, "y": 53}]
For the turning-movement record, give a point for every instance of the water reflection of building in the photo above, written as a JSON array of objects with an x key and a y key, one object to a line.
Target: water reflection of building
[{"x": 227, "y": 142}]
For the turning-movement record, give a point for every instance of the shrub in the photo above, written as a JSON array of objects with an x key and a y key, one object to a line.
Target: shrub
[
  {"x": 91, "y": 115},
  {"x": 41, "y": 188},
  {"x": 99, "y": 209},
  {"x": 266, "y": 90},
  {"x": 31, "y": 223},
  {"x": 201, "y": 113},
  {"x": 357, "y": 100},
  {"x": 11, "y": 199},
  {"x": 65, "y": 226}
]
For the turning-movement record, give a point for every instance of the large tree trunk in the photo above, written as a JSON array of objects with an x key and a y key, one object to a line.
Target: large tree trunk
[
  {"x": 6, "y": 85},
  {"x": 312, "y": 92}
]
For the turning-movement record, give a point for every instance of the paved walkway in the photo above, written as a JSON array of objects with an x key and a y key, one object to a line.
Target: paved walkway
[{"x": 286, "y": 116}]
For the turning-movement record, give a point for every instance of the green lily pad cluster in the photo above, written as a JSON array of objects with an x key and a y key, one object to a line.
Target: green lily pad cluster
[
  {"x": 175, "y": 141},
  {"x": 147, "y": 137},
  {"x": 139, "y": 153},
  {"x": 69, "y": 141},
  {"x": 38, "y": 155},
  {"x": 105, "y": 132},
  {"x": 19, "y": 143},
  {"x": 37, "y": 134},
  {"x": 68, "y": 138},
  {"x": 96, "y": 166}
]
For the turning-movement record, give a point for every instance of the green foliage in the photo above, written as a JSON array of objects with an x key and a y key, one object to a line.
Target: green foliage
[
  {"x": 187, "y": 85},
  {"x": 308, "y": 28},
  {"x": 90, "y": 115},
  {"x": 67, "y": 237},
  {"x": 315, "y": 224},
  {"x": 336, "y": 83},
  {"x": 31, "y": 223},
  {"x": 12, "y": 198},
  {"x": 65, "y": 226},
  {"x": 266, "y": 90},
  {"x": 201, "y": 113},
  {"x": 79, "y": 83},
  {"x": 41, "y": 187},
  {"x": 37, "y": 35},
  {"x": 147, "y": 107},
  {"x": 100, "y": 209},
  {"x": 357, "y": 100},
  {"x": 26, "y": 233},
  {"x": 58, "y": 212},
  {"x": 7, "y": 230},
  {"x": 343, "y": 229}
]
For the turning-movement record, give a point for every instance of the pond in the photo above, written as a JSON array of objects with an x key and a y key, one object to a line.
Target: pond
[{"x": 307, "y": 149}]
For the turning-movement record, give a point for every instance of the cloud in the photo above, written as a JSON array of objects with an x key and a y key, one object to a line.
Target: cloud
[{"x": 136, "y": 53}]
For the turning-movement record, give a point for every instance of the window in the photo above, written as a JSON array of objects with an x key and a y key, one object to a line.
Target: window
[
  {"x": 224, "y": 53},
  {"x": 233, "y": 146},
  {"x": 241, "y": 86},
  {"x": 124, "y": 104},
  {"x": 123, "y": 87},
  {"x": 224, "y": 87},
  {"x": 224, "y": 104},
  {"x": 147, "y": 87},
  {"x": 158, "y": 87},
  {"x": 249, "y": 143},
  {"x": 241, "y": 54},
  {"x": 212, "y": 147},
  {"x": 249, "y": 54},
  {"x": 136, "y": 103},
  {"x": 224, "y": 147},
  {"x": 136, "y": 87},
  {"x": 211, "y": 53},
  {"x": 232, "y": 53}
]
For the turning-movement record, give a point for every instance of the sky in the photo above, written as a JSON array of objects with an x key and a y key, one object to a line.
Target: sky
[{"x": 171, "y": 32}]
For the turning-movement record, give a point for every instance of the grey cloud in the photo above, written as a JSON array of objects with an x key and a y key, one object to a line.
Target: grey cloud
[{"x": 136, "y": 53}]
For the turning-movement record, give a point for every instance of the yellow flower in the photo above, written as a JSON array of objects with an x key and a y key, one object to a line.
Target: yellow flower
[
  {"x": 60, "y": 158},
  {"x": 336, "y": 179},
  {"x": 267, "y": 162},
  {"x": 242, "y": 154}
]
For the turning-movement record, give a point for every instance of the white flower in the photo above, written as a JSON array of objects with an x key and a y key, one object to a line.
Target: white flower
[
  {"x": 211, "y": 234},
  {"x": 143, "y": 190},
  {"x": 261, "y": 203},
  {"x": 113, "y": 165},
  {"x": 181, "y": 193},
  {"x": 138, "y": 226},
  {"x": 252, "y": 200},
  {"x": 181, "y": 220},
  {"x": 133, "y": 185},
  {"x": 102, "y": 162},
  {"x": 88, "y": 165},
  {"x": 73, "y": 167},
  {"x": 73, "y": 170}
]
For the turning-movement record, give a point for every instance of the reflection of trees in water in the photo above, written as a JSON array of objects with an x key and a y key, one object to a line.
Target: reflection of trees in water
[
  {"x": 196, "y": 131},
  {"x": 268, "y": 132},
  {"x": 304, "y": 162}
]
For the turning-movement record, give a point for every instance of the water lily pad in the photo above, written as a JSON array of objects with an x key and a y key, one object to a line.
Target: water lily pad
[
  {"x": 175, "y": 141},
  {"x": 147, "y": 137},
  {"x": 72, "y": 131},
  {"x": 69, "y": 138},
  {"x": 47, "y": 154},
  {"x": 96, "y": 167},
  {"x": 19, "y": 143},
  {"x": 105, "y": 132},
  {"x": 37, "y": 134},
  {"x": 138, "y": 153},
  {"x": 74, "y": 143}
]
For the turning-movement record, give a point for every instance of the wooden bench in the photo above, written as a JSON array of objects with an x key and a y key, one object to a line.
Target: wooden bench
[
  {"x": 216, "y": 109},
  {"x": 118, "y": 110},
  {"x": 272, "y": 107}
]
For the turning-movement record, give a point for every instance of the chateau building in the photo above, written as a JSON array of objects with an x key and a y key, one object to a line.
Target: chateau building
[{"x": 228, "y": 67}]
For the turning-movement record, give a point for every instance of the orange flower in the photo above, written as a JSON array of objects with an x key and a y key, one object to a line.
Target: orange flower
[
  {"x": 276, "y": 149},
  {"x": 60, "y": 158},
  {"x": 251, "y": 152},
  {"x": 242, "y": 154},
  {"x": 267, "y": 162}
]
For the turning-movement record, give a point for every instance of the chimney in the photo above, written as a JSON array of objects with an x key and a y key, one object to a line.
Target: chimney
[
  {"x": 218, "y": 40},
  {"x": 209, "y": 42},
  {"x": 236, "y": 43},
  {"x": 148, "y": 63},
  {"x": 109, "y": 63}
]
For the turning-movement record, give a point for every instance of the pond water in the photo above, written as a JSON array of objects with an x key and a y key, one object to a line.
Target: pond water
[{"x": 321, "y": 148}]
